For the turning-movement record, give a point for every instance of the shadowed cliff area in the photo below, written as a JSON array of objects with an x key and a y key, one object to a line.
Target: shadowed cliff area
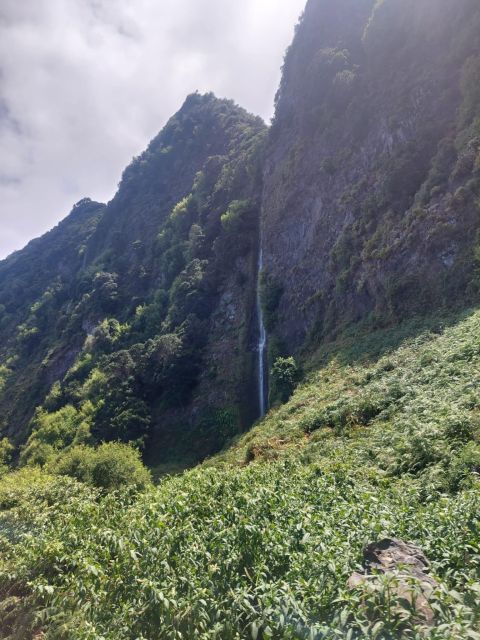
[{"x": 372, "y": 172}]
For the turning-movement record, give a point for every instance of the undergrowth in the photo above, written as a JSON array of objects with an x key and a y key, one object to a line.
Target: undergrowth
[{"x": 260, "y": 541}]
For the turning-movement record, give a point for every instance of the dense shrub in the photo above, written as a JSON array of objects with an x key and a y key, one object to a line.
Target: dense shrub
[
  {"x": 110, "y": 466},
  {"x": 4, "y": 372},
  {"x": 105, "y": 293},
  {"x": 261, "y": 540},
  {"x": 187, "y": 294},
  {"x": 285, "y": 375},
  {"x": 107, "y": 334},
  {"x": 31, "y": 491},
  {"x": 233, "y": 219},
  {"x": 149, "y": 317},
  {"x": 464, "y": 469},
  {"x": 55, "y": 431},
  {"x": 261, "y": 552},
  {"x": 6, "y": 453}
]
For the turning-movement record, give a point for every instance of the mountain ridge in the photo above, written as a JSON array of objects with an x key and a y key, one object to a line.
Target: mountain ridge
[{"x": 139, "y": 247}]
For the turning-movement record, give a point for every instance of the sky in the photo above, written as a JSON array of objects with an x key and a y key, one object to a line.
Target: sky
[{"x": 86, "y": 84}]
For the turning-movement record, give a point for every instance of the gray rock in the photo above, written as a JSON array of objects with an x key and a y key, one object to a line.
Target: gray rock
[{"x": 404, "y": 561}]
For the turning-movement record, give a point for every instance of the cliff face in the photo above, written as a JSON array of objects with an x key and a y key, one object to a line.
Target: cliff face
[{"x": 373, "y": 170}]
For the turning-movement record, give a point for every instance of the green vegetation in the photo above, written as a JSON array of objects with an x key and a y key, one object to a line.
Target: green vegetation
[
  {"x": 6, "y": 453},
  {"x": 4, "y": 371},
  {"x": 261, "y": 540},
  {"x": 111, "y": 466},
  {"x": 127, "y": 337},
  {"x": 104, "y": 337},
  {"x": 284, "y": 377},
  {"x": 271, "y": 294},
  {"x": 54, "y": 432}
]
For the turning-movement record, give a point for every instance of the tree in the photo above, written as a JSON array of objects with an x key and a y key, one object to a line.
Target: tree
[
  {"x": 285, "y": 375},
  {"x": 111, "y": 466}
]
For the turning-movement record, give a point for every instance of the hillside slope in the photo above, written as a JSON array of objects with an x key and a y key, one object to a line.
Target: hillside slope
[
  {"x": 34, "y": 284},
  {"x": 260, "y": 542},
  {"x": 143, "y": 315}
]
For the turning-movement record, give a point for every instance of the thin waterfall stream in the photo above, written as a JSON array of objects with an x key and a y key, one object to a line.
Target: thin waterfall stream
[{"x": 262, "y": 341}]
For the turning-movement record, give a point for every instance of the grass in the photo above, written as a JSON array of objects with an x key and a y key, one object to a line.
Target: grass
[
  {"x": 378, "y": 411},
  {"x": 259, "y": 541}
]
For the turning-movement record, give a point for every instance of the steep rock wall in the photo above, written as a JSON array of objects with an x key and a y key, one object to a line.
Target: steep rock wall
[{"x": 372, "y": 173}]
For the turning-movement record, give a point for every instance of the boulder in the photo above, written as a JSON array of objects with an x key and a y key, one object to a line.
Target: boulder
[{"x": 403, "y": 561}]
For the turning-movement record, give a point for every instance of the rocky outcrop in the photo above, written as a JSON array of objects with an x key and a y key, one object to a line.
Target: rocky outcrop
[{"x": 406, "y": 565}]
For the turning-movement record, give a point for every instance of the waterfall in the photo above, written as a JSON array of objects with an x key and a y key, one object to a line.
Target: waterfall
[{"x": 262, "y": 341}]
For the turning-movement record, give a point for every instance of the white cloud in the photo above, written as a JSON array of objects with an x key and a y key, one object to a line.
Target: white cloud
[{"x": 85, "y": 84}]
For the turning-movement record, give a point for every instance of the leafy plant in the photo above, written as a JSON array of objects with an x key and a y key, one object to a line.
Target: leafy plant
[
  {"x": 285, "y": 375},
  {"x": 110, "y": 466}
]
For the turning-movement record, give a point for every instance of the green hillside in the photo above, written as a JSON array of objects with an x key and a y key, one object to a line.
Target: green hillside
[
  {"x": 133, "y": 319},
  {"x": 383, "y": 440}
]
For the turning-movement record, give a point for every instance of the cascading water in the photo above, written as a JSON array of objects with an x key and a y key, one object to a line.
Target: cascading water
[{"x": 262, "y": 342}]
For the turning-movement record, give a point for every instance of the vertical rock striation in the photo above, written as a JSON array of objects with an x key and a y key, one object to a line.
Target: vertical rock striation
[{"x": 371, "y": 187}]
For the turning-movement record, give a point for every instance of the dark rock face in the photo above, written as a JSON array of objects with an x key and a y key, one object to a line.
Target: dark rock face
[
  {"x": 373, "y": 172},
  {"x": 404, "y": 561},
  {"x": 388, "y": 555}
]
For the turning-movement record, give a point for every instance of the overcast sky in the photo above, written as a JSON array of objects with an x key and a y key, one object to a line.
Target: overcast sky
[{"x": 85, "y": 85}]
